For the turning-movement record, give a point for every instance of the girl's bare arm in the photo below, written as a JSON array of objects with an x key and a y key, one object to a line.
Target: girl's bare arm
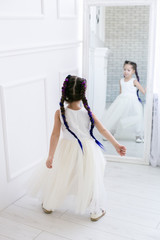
[
  {"x": 138, "y": 85},
  {"x": 120, "y": 86},
  {"x": 54, "y": 138},
  {"x": 119, "y": 148}
]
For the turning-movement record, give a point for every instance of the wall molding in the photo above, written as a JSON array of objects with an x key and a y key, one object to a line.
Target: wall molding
[
  {"x": 118, "y": 2},
  {"x": 63, "y": 16},
  {"x": 12, "y": 176},
  {"x": 23, "y": 17},
  {"x": 38, "y": 48}
]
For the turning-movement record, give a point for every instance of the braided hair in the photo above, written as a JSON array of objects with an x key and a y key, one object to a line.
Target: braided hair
[
  {"x": 134, "y": 66},
  {"x": 74, "y": 89}
]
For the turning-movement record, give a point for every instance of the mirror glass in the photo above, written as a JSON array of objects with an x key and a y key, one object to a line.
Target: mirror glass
[{"x": 117, "y": 34}]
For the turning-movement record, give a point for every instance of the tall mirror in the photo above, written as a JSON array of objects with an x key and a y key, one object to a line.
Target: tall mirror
[{"x": 116, "y": 31}]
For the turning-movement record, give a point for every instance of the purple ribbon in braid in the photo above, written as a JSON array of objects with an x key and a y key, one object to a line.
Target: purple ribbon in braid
[
  {"x": 138, "y": 89},
  {"x": 85, "y": 103},
  {"x": 63, "y": 110}
]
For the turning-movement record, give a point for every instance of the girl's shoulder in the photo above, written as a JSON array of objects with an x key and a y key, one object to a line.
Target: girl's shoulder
[
  {"x": 122, "y": 81},
  {"x": 134, "y": 80},
  {"x": 57, "y": 113}
]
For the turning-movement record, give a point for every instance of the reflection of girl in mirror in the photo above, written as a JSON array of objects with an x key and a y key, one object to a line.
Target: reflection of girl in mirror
[
  {"x": 75, "y": 163},
  {"x": 124, "y": 117}
]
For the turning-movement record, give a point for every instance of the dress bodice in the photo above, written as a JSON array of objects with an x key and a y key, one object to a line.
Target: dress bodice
[
  {"x": 128, "y": 87},
  {"x": 79, "y": 123}
]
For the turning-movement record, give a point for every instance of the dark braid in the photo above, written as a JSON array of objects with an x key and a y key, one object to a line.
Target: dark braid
[
  {"x": 85, "y": 103},
  {"x": 63, "y": 98},
  {"x": 138, "y": 81},
  {"x": 73, "y": 89},
  {"x": 134, "y": 65}
]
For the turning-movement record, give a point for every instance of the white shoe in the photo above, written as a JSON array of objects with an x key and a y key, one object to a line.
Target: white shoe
[
  {"x": 104, "y": 139},
  {"x": 45, "y": 210},
  {"x": 139, "y": 140},
  {"x": 96, "y": 216}
]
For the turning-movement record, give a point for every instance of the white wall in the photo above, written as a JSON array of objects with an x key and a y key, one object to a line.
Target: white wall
[
  {"x": 157, "y": 52},
  {"x": 40, "y": 44}
]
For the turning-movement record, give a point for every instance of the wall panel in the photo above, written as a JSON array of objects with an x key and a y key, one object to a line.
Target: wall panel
[
  {"x": 24, "y": 125},
  {"x": 21, "y": 8}
]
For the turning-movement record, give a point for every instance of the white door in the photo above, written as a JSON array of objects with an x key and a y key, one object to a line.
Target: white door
[{"x": 40, "y": 43}]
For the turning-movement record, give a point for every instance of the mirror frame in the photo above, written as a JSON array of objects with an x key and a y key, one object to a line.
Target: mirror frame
[{"x": 150, "y": 71}]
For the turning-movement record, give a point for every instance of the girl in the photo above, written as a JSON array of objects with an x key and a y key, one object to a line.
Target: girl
[
  {"x": 75, "y": 164},
  {"x": 124, "y": 117}
]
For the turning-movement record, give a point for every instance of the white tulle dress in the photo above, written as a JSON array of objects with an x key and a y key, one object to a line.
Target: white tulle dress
[
  {"x": 124, "y": 117},
  {"x": 76, "y": 175}
]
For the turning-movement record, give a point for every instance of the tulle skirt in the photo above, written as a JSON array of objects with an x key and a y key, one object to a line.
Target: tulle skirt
[
  {"x": 124, "y": 117},
  {"x": 75, "y": 174}
]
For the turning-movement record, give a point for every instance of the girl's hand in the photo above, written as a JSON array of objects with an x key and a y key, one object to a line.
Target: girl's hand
[
  {"x": 121, "y": 150},
  {"x": 145, "y": 90},
  {"x": 49, "y": 162}
]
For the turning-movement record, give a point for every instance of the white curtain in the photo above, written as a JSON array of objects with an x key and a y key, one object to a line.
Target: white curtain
[{"x": 155, "y": 139}]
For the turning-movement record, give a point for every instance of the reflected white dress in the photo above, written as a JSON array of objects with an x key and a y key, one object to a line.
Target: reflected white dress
[
  {"x": 75, "y": 174},
  {"x": 124, "y": 117}
]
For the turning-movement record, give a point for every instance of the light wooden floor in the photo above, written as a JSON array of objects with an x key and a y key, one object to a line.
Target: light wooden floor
[{"x": 133, "y": 211}]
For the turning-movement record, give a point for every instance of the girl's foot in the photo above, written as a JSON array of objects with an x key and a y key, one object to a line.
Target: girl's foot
[
  {"x": 104, "y": 139},
  {"x": 45, "y": 210},
  {"x": 139, "y": 139},
  {"x": 96, "y": 216}
]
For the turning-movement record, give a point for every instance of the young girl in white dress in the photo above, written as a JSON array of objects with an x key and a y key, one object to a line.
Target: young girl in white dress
[
  {"x": 75, "y": 164},
  {"x": 124, "y": 117}
]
